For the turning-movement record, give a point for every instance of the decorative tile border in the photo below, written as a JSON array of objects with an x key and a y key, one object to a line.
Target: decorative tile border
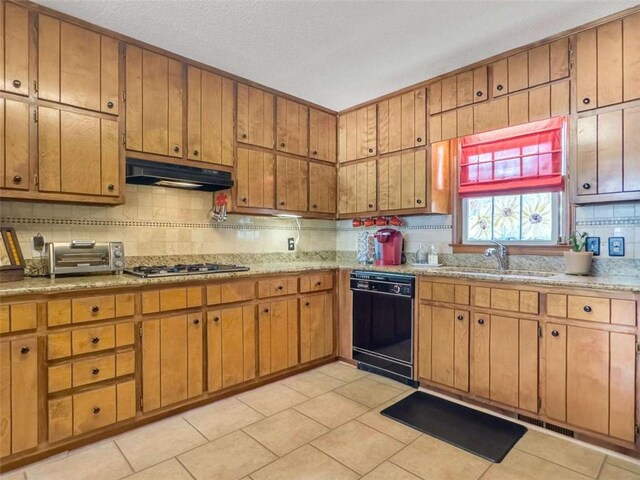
[
  {"x": 597, "y": 222},
  {"x": 403, "y": 228}
]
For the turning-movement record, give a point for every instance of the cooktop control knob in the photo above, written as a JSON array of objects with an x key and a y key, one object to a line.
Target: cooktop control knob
[{"x": 395, "y": 289}]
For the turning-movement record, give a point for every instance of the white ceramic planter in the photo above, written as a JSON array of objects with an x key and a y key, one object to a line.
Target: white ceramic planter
[{"x": 578, "y": 263}]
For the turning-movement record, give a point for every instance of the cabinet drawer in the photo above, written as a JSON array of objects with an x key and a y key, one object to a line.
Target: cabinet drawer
[
  {"x": 277, "y": 287},
  {"x": 316, "y": 282},
  {"x": 18, "y": 316},
  {"x": 89, "y": 309},
  {"x": 155, "y": 301},
  {"x": 92, "y": 370},
  {"x": 592, "y": 309},
  {"x": 504, "y": 299},
  {"x": 231, "y": 292},
  {"x": 444, "y": 292},
  {"x": 94, "y": 409},
  {"x": 87, "y": 340}
]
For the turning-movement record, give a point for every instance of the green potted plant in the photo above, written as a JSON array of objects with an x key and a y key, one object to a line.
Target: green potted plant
[{"x": 577, "y": 260}]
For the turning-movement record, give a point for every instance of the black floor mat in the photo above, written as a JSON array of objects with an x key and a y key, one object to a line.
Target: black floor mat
[{"x": 476, "y": 432}]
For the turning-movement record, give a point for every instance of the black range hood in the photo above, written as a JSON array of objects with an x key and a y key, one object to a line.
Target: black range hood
[{"x": 144, "y": 172}]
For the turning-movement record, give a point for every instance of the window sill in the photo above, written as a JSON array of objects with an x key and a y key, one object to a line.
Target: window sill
[{"x": 546, "y": 250}]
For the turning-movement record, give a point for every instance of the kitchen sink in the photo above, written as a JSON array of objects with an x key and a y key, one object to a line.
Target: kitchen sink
[{"x": 500, "y": 273}]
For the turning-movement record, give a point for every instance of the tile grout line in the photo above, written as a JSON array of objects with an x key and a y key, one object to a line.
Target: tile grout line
[
  {"x": 133, "y": 470},
  {"x": 185, "y": 468},
  {"x": 602, "y": 462}
]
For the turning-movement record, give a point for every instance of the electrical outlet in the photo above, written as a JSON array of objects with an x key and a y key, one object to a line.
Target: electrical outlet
[
  {"x": 593, "y": 245},
  {"x": 291, "y": 244},
  {"x": 616, "y": 246},
  {"x": 38, "y": 245}
]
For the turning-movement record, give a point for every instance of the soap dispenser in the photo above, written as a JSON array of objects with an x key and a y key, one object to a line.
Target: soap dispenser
[
  {"x": 421, "y": 255},
  {"x": 433, "y": 255}
]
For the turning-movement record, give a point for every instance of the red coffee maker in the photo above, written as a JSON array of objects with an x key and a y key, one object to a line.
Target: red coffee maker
[{"x": 388, "y": 247}]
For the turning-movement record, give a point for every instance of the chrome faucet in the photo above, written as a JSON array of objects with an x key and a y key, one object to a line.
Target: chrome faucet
[{"x": 500, "y": 253}]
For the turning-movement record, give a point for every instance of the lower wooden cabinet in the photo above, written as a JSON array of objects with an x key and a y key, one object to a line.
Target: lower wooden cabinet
[
  {"x": 231, "y": 346},
  {"x": 172, "y": 360},
  {"x": 316, "y": 326},
  {"x": 590, "y": 379},
  {"x": 278, "y": 335},
  {"x": 18, "y": 396}
]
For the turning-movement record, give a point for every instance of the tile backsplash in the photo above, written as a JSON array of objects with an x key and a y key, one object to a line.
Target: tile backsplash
[{"x": 612, "y": 220}]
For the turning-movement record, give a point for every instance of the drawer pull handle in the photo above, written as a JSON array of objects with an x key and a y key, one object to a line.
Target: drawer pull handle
[
  {"x": 318, "y": 283},
  {"x": 109, "y": 104},
  {"x": 306, "y": 304},
  {"x": 315, "y": 152},
  {"x": 216, "y": 319},
  {"x": 266, "y": 310},
  {"x": 555, "y": 333},
  {"x": 24, "y": 350},
  {"x": 95, "y": 340},
  {"x": 244, "y": 135},
  {"x": 195, "y": 153},
  {"x": 587, "y": 308},
  {"x": 196, "y": 322},
  {"x": 480, "y": 321},
  {"x": 176, "y": 148},
  {"x": 243, "y": 199},
  {"x": 280, "y": 287},
  {"x": 460, "y": 317},
  {"x": 370, "y": 205},
  {"x": 96, "y": 410},
  {"x": 95, "y": 371},
  {"x": 95, "y": 309},
  {"x": 282, "y": 203}
]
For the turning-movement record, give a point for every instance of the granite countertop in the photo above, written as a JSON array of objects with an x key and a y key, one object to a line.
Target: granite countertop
[{"x": 62, "y": 284}]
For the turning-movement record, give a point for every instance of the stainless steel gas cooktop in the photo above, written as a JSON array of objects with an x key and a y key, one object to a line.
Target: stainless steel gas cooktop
[{"x": 190, "y": 269}]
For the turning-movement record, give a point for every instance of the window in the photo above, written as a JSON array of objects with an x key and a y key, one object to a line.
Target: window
[{"x": 511, "y": 183}]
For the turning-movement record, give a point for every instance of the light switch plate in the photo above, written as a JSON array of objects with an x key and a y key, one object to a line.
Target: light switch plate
[
  {"x": 616, "y": 246},
  {"x": 593, "y": 245}
]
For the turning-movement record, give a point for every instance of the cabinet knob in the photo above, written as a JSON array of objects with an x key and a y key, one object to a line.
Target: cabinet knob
[
  {"x": 24, "y": 350},
  {"x": 318, "y": 283},
  {"x": 176, "y": 148},
  {"x": 110, "y": 104},
  {"x": 371, "y": 205},
  {"x": 587, "y": 308},
  {"x": 96, "y": 410},
  {"x": 17, "y": 83},
  {"x": 243, "y": 199},
  {"x": 480, "y": 321},
  {"x": 196, "y": 321},
  {"x": 419, "y": 139},
  {"x": 586, "y": 186},
  {"x": 111, "y": 187},
  {"x": 499, "y": 87},
  {"x": 95, "y": 309},
  {"x": 266, "y": 310},
  {"x": 419, "y": 201},
  {"x": 195, "y": 153},
  {"x": 282, "y": 145},
  {"x": 216, "y": 319},
  {"x": 95, "y": 340},
  {"x": 95, "y": 371},
  {"x": 555, "y": 333},
  {"x": 306, "y": 304},
  {"x": 371, "y": 150},
  {"x": 17, "y": 179},
  {"x": 315, "y": 152},
  {"x": 244, "y": 135},
  {"x": 479, "y": 93},
  {"x": 586, "y": 100},
  {"x": 460, "y": 317},
  {"x": 282, "y": 203},
  {"x": 314, "y": 206},
  {"x": 280, "y": 287}
]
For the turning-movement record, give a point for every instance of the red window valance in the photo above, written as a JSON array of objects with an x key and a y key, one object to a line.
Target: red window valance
[{"x": 513, "y": 159}]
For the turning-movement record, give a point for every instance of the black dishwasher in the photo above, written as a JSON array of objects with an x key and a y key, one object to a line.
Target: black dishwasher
[{"x": 383, "y": 323}]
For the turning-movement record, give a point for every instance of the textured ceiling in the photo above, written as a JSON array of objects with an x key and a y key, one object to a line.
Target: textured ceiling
[{"x": 338, "y": 53}]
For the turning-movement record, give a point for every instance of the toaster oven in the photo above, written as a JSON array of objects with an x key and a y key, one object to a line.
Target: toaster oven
[{"x": 85, "y": 256}]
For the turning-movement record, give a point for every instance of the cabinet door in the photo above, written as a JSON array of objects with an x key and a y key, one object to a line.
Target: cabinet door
[
  {"x": 480, "y": 84},
  {"x": 539, "y": 63},
  {"x": 292, "y": 126},
  {"x": 556, "y": 372},
  {"x": 357, "y": 134},
  {"x": 402, "y": 181},
  {"x": 277, "y": 335},
  {"x": 631, "y": 57},
  {"x": 586, "y": 70},
  {"x": 480, "y": 360},
  {"x": 539, "y": 103},
  {"x": 209, "y": 117},
  {"x": 316, "y": 326},
  {"x": 500, "y": 73},
  {"x": 357, "y": 188},
  {"x": 171, "y": 360},
  {"x": 255, "y": 116},
  {"x": 610, "y": 152},
  {"x": 465, "y": 89},
  {"x": 323, "y": 135},
  {"x": 14, "y": 49},
  {"x": 154, "y": 110},
  {"x": 322, "y": 188},
  {"x": 631, "y": 149},
  {"x": 450, "y": 347},
  {"x": 77, "y": 66},
  {"x": 490, "y": 115},
  {"x": 72, "y": 144},
  {"x": 587, "y": 155},
  {"x": 231, "y": 347},
  {"x": 518, "y": 71},
  {"x": 15, "y": 151},
  {"x": 559, "y": 59},
  {"x": 435, "y": 98},
  {"x": 401, "y": 121},
  {"x": 255, "y": 179},
  {"x": 292, "y": 186},
  {"x": 503, "y": 360},
  {"x": 449, "y": 93},
  {"x": 609, "y": 60}
]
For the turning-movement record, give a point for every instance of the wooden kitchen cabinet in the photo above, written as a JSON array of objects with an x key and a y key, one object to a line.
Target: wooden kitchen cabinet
[
  {"x": 292, "y": 183},
  {"x": 504, "y": 360},
  {"x": 323, "y": 135},
  {"x": 277, "y": 335},
  {"x": 443, "y": 351},
  {"x": 14, "y": 48},
  {"x": 402, "y": 181},
  {"x": 77, "y": 66},
  {"x": 316, "y": 326},
  {"x": 209, "y": 117},
  {"x": 606, "y": 155},
  {"x": 490, "y": 115},
  {"x": 458, "y": 91},
  {"x": 322, "y": 188},
  {"x": 231, "y": 347},
  {"x": 292, "y": 127},
  {"x": 401, "y": 121},
  {"x": 172, "y": 360},
  {"x": 357, "y": 188},
  {"x": 15, "y": 123},
  {"x": 539, "y": 103},
  {"x": 154, "y": 112},
  {"x": 255, "y": 179},
  {"x": 77, "y": 153},
  {"x": 18, "y": 396},
  {"x": 255, "y": 116},
  {"x": 357, "y": 134},
  {"x": 590, "y": 379}
]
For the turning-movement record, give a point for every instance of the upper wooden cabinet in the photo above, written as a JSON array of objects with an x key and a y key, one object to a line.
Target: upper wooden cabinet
[
  {"x": 459, "y": 90},
  {"x": 402, "y": 181},
  {"x": 14, "y": 48},
  {"x": 357, "y": 188},
  {"x": 322, "y": 188},
  {"x": 292, "y": 183},
  {"x": 77, "y": 153},
  {"x": 608, "y": 64},
  {"x": 209, "y": 117},
  {"x": 255, "y": 179},
  {"x": 255, "y": 116},
  {"x": 15, "y": 123},
  {"x": 292, "y": 127},
  {"x": 357, "y": 134},
  {"x": 401, "y": 121},
  {"x": 154, "y": 113},
  {"x": 77, "y": 66},
  {"x": 322, "y": 135}
]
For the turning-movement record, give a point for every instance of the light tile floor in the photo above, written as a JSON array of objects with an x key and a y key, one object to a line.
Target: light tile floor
[{"x": 322, "y": 424}]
